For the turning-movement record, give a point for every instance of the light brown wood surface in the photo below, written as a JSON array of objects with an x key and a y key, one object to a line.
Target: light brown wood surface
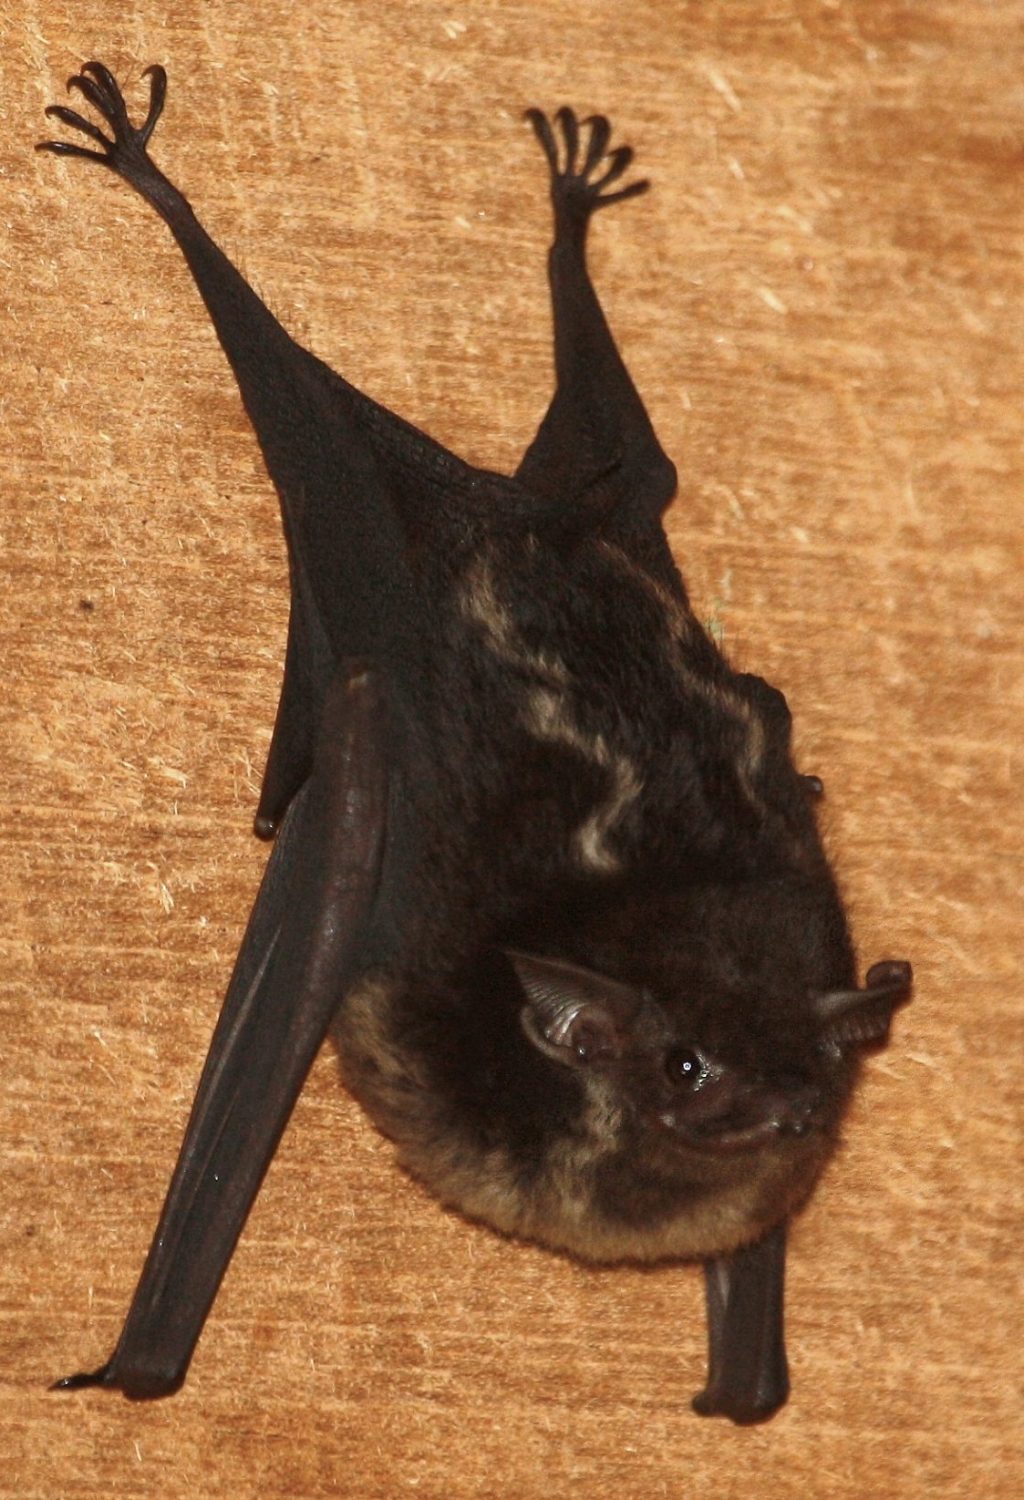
[{"x": 822, "y": 301}]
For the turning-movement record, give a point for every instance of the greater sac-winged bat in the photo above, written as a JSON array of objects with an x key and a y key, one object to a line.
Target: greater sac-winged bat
[{"x": 542, "y": 860}]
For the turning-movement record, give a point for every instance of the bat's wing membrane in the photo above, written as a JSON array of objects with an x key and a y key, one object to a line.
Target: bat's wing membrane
[{"x": 302, "y": 947}]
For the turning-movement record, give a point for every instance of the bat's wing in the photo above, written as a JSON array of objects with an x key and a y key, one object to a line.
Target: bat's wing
[
  {"x": 596, "y": 442},
  {"x": 748, "y": 1376},
  {"x": 304, "y": 943}
]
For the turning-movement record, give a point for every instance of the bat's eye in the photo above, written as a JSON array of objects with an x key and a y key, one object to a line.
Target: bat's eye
[{"x": 684, "y": 1066}]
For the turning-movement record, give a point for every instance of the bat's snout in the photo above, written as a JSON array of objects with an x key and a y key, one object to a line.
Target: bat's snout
[{"x": 734, "y": 1116}]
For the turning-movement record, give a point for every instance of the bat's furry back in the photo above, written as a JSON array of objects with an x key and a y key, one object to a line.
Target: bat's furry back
[{"x": 603, "y": 790}]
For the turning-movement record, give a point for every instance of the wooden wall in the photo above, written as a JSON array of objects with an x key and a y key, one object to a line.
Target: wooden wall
[{"x": 821, "y": 299}]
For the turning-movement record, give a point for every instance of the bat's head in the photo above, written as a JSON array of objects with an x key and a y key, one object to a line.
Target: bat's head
[
  {"x": 721, "y": 1098},
  {"x": 727, "y": 1091}
]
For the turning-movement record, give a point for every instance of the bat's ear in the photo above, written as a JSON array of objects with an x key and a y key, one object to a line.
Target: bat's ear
[
  {"x": 861, "y": 1018},
  {"x": 573, "y": 1015}
]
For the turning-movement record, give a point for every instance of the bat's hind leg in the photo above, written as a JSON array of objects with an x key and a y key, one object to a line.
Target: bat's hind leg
[
  {"x": 344, "y": 539},
  {"x": 596, "y": 442}
]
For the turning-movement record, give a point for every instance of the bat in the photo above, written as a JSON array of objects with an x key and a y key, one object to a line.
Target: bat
[{"x": 542, "y": 863}]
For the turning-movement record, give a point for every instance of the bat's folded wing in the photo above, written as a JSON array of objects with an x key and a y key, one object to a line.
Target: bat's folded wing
[
  {"x": 302, "y": 947},
  {"x": 748, "y": 1376}
]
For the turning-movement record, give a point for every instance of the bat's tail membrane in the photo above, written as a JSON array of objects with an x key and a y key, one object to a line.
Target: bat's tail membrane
[{"x": 303, "y": 943}]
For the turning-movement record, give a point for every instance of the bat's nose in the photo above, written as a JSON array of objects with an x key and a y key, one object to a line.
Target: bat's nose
[{"x": 796, "y": 1110}]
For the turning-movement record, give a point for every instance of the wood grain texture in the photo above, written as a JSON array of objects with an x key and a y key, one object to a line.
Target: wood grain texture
[{"x": 822, "y": 302}]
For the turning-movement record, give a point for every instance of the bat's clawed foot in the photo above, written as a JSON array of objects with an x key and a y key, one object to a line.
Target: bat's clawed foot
[
  {"x": 125, "y": 149},
  {"x": 583, "y": 170}
]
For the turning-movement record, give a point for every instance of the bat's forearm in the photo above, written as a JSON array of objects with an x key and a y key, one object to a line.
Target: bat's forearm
[
  {"x": 748, "y": 1374},
  {"x": 298, "y": 956}
]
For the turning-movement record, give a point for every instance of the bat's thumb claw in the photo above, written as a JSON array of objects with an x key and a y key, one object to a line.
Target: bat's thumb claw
[{"x": 83, "y": 1379}]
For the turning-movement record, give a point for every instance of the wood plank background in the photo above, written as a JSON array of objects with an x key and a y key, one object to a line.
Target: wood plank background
[{"x": 821, "y": 299}]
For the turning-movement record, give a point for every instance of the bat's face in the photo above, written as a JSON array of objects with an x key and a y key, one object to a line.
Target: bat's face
[
  {"x": 682, "y": 1113},
  {"x": 709, "y": 1120}
]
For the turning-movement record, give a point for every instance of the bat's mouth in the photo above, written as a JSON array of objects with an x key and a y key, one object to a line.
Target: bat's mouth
[
  {"x": 721, "y": 1138},
  {"x": 752, "y": 1122}
]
